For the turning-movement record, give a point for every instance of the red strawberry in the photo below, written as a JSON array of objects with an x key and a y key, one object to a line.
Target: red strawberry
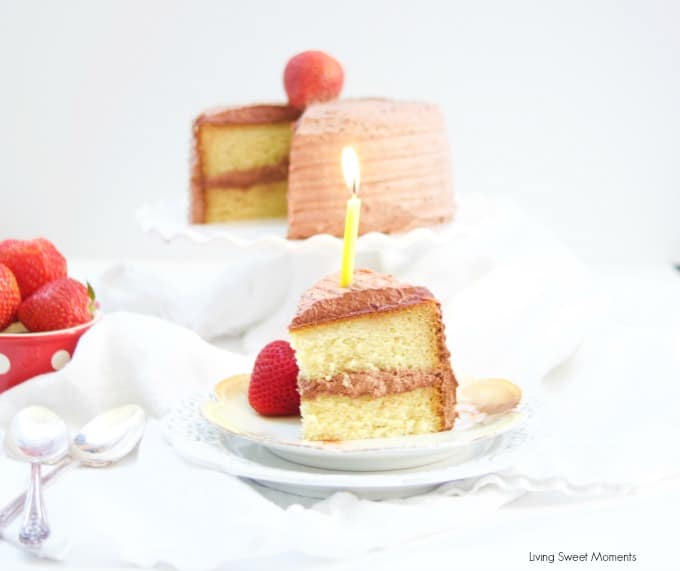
[
  {"x": 33, "y": 262},
  {"x": 59, "y": 304},
  {"x": 273, "y": 384},
  {"x": 10, "y": 297},
  {"x": 312, "y": 77}
]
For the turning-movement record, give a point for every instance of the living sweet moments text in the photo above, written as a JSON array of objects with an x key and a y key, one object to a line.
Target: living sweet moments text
[{"x": 583, "y": 557}]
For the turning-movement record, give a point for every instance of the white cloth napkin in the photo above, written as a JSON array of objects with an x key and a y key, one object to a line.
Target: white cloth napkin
[
  {"x": 498, "y": 306},
  {"x": 516, "y": 305},
  {"x": 609, "y": 414},
  {"x": 156, "y": 508}
]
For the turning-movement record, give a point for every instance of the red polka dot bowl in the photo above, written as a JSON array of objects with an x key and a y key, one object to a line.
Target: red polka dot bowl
[{"x": 25, "y": 355}]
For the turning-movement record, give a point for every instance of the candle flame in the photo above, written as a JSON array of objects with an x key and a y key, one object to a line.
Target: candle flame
[{"x": 350, "y": 169}]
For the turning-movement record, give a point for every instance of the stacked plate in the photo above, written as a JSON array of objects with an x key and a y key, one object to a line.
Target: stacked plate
[{"x": 221, "y": 431}]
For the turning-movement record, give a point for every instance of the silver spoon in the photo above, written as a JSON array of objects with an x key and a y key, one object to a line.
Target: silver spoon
[
  {"x": 107, "y": 438},
  {"x": 38, "y": 435},
  {"x": 110, "y": 436}
]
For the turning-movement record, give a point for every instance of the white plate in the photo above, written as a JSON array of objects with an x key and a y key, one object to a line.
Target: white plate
[
  {"x": 231, "y": 413},
  {"x": 168, "y": 219},
  {"x": 201, "y": 442}
]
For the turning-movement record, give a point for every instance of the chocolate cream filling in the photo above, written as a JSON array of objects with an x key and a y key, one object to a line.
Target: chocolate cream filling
[
  {"x": 382, "y": 383},
  {"x": 249, "y": 177},
  {"x": 371, "y": 383}
]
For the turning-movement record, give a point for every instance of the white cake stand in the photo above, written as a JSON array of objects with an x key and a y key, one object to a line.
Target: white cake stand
[{"x": 169, "y": 221}]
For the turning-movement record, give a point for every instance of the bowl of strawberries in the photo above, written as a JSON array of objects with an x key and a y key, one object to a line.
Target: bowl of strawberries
[{"x": 43, "y": 312}]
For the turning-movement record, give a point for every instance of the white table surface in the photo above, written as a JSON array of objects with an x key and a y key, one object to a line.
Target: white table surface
[{"x": 644, "y": 524}]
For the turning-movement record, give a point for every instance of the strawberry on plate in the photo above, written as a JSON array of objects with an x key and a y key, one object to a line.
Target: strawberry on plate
[
  {"x": 273, "y": 383},
  {"x": 34, "y": 263},
  {"x": 59, "y": 304},
  {"x": 10, "y": 296}
]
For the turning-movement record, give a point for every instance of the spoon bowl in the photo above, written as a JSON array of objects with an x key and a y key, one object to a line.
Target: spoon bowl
[
  {"x": 110, "y": 436},
  {"x": 38, "y": 435}
]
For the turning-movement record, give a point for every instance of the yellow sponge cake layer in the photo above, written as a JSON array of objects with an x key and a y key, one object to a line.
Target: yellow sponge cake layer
[
  {"x": 337, "y": 417},
  {"x": 257, "y": 201},
  {"x": 226, "y": 148},
  {"x": 392, "y": 340}
]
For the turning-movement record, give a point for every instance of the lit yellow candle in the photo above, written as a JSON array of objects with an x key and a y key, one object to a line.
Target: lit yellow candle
[{"x": 350, "y": 169}]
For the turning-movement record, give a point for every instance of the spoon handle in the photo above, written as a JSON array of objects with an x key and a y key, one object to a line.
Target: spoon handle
[
  {"x": 35, "y": 528},
  {"x": 13, "y": 509}
]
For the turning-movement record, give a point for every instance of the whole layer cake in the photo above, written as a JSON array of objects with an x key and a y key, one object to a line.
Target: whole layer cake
[
  {"x": 268, "y": 161},
  {"x": 373, "y": 360}
]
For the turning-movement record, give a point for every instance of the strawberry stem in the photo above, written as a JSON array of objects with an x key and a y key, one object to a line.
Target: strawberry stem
[{"x": 92, "y": 306}]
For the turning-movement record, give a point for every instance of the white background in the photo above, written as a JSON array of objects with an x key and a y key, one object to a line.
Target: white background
[{"x": 571, "y": 108}]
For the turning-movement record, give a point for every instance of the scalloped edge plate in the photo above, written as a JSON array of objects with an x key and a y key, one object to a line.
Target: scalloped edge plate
[
  {"x": 202, "y": 443},
  {"x": 231, "y": 413},
  {"x": 168, "y": 220}
]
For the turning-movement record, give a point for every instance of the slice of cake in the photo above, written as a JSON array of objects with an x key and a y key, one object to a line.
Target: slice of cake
[
  {"x": 403, "y": 148},
  {"x": 373, "y": 360},
  {"x": 240, "y": 163}
]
